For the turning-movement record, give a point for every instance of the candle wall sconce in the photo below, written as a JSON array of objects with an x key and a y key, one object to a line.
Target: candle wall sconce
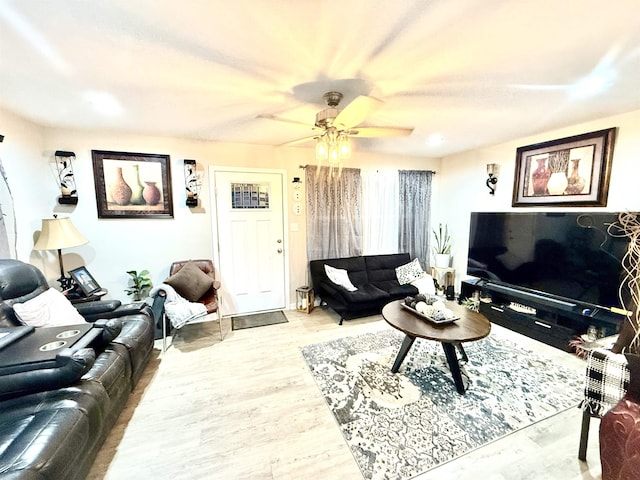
[
  {"x": 66, "y": 180},
  {"x": 493, "y": 170},
  {"x": 192, "y": 182}
]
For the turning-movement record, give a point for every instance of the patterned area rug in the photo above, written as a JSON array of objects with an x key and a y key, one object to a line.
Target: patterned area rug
[
  {"x": 400, "y": 425},
  {"x": 257, "y": 320}
]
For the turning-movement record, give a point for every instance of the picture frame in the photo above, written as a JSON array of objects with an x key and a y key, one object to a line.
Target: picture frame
[
  {"x": 569, "y": 171},
  {"x": 132, "y": 185},
  {"x": 84, "y": 280}
]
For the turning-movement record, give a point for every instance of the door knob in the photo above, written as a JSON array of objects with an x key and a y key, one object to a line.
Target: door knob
[{"x": 279, "y": 250}]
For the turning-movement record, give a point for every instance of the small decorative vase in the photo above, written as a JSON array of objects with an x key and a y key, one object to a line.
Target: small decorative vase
[
  {"x": 442, "y": 260},
  {"x": 136, "y": 187},
  {"x": 557, "y": 183},
  {"x": 540, "y": 177},
  {"x": 151, "y": 193},
  {"x": 576, "y": 182},
  {"x": 120, "y": 190}
]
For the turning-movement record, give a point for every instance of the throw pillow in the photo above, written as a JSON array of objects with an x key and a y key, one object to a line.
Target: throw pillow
[
  {"x": 49, "y": 309},
  {"x": 190, "y": 282},
  {"x": 425, "y": 284},
  {"x": 409, "y": 272},
  {"x": 339, "y": 277}
]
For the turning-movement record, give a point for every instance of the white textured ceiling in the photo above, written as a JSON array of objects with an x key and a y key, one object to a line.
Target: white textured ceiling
[{"x": 475, "y": 72}]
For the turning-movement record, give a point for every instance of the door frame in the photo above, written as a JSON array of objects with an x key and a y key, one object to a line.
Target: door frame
[{"x": 285, "y": 219}]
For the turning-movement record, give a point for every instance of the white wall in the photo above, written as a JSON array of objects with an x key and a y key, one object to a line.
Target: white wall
[
  {"x": 118, "y": 245},
  {"x": 463, "y": 179}
]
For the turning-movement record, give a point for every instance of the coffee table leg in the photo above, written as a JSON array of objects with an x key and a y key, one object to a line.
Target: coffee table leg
[
  {"x": 404, "y": 349},
  {"x": 454, "y": 366}
]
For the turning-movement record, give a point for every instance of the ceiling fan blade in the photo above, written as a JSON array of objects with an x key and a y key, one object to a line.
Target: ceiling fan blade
[
  {"x": 268, "y": 116},
  {"x": 380, "y": 131},
  {"x": 298, "y": 141},
  {"x": 354, "y": 113}
]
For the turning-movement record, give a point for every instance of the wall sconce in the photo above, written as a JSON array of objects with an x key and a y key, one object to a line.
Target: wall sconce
[
  {"x": 66, "y": 181},
  {"x": 493, "y": 170},
  {"x": 192, "y": 182}
]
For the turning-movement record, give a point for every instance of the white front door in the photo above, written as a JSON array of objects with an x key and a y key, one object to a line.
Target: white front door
[{"x": 251, "y": 244}]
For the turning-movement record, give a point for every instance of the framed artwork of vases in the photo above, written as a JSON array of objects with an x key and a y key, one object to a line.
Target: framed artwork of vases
[
  {"x": 132, "y": 185},
  {"x": 569, "y": 171}
]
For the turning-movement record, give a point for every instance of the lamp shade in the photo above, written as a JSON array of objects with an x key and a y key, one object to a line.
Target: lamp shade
[{"x": 58, "y": 233}]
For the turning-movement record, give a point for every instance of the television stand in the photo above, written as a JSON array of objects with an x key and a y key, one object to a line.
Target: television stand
[{"x": 550, "y": 322}]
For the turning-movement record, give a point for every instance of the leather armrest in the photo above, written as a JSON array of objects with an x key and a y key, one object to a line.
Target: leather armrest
[
  {"x": 111, "y": 328},
  {"x": 97, "y": 308},
  {"x": 69, "y": 367}
]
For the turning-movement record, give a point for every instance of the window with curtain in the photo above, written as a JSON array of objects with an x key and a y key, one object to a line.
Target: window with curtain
[
  {"x": 415, "y": 213},
  {"x": 380, "y": 210},
  {"x": 334, "y": 219}
]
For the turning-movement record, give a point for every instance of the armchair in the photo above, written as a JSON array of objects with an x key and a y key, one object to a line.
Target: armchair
[
  {"x": 606, "y": 381},
  {"x": 210, "y": 297},
  {"x": 194, "y": 280}
]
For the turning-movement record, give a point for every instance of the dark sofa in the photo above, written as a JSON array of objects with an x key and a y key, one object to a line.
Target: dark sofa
[
  {"x": 374, "y": 276},
  {"x": 52, "y": 426}
]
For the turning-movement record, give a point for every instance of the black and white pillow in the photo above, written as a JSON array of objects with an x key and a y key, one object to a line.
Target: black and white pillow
[{"x": 409, "y": 272}]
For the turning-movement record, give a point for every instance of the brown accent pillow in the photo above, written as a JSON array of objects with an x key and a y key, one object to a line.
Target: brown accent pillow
[{"x": 190, "y": 282}]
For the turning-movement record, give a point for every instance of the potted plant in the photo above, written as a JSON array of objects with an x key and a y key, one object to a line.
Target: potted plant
[
  {"x": 442, "y": 246},
  {"x": 140, "y": 284}
]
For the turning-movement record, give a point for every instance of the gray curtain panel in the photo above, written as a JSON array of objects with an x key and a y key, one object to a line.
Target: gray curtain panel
[
  {"x": 334, "y": 223},
  {"x": 415, "y": 214}
]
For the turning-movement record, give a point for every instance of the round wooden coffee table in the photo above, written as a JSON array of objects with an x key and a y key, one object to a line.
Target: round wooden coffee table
[{"x": 471, "y": 326}]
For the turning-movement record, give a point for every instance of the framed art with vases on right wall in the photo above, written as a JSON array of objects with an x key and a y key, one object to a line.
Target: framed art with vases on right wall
[{"x": 568, "y": 171}]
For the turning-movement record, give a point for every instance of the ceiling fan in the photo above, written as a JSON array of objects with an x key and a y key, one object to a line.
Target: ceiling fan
[{"x": 344, "y": 123}]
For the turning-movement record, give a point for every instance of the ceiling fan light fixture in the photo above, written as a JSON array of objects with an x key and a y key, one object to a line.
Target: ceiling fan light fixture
[{"x": 322, "y": 150}]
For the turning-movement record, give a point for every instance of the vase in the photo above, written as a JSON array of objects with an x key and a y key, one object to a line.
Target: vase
[
  {"x": 576, "y": 183},
  {"x": 557, "y": 183},
  {"x": 151, "y": 193},
  {"x": 442, "y": 260},
  {"x": 120, "y": 190},
  {"x": 136, "y": 187},
  {"x": 540, "y": 177}
]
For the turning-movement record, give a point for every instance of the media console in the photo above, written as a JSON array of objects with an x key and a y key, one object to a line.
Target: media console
[{"x": 548, "y": 319}]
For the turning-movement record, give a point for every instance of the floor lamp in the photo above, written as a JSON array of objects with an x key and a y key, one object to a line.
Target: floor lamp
[{"x": 56, "y": 234}]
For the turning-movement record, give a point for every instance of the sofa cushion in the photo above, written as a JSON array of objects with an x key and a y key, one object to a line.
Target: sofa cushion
[
  {"x": 59, "y": 434},
  {"x": 366, "y": 294},
  {"x": 395, "y": 290},
  {"x": 409, "y": 272},
  {"x": 49, "y": 309},
  {"x": 190, "y": 282},
  {"x": 339, "y": 277}
]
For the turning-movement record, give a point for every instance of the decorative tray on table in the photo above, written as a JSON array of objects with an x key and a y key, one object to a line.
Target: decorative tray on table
[{"x": 443, "y": 317}]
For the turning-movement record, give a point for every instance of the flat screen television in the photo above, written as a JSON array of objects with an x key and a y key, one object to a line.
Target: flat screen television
[{"x": 566, "y": 255}]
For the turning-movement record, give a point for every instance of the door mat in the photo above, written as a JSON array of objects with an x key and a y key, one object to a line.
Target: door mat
[
  {"x": 258, "y": 320},
  {"x": 401, "y": 425}
]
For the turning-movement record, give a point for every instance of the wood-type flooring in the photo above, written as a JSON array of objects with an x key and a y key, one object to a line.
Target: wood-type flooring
[{"x": 247, "y": 408}]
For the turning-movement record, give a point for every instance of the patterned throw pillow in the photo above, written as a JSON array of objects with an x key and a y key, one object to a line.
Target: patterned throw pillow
[
  {"x": 339, "y": 277},
  {"x": 409, "y": 272}
]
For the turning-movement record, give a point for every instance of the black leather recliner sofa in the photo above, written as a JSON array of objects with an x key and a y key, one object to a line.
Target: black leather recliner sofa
[
  {"x": 374, "y": 276},
  {"x": 52, "y": 426}
]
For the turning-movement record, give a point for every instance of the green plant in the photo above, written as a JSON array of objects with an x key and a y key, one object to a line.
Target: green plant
[
  {"x": 140, "y": 284},
  {"x": 443, "y": 240}
]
